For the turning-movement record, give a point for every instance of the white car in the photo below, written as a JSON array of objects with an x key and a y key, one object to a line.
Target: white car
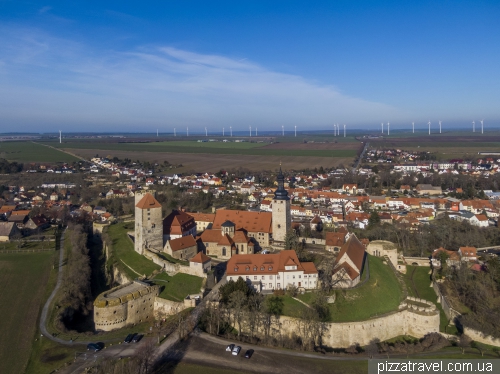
[{"x": 236, "y": 350}]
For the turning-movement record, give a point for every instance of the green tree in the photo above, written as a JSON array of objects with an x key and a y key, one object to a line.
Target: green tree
[{"x": 374, "y": 219}]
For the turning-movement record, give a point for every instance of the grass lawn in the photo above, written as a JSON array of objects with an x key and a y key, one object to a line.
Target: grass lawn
[
  {"x": 418, "y": 283},
  {"x": 123, "y": 252},
  {"x": 169, "y": 258},
  {"x": 176, "y": 288},
  {"x": 23, "y": 281},
  {"x": 291, "y": 307},
  {"x": 32, "y": 152},
  {"x": 381, "y": 294}
]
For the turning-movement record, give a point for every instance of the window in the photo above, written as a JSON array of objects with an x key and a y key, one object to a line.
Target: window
[
  {"x": 247, "y": 268},
  {"x": 299, "y": 276},
  {"x": 270, "y": 268},
  {"x": 255, "y": 278},
  {"x": 235, "y": 269},
  {"x": 255, "y": 268},
  {"x": 278, "y": 277},
  {"x": 262, "y": 268},
  {"x": 248, "y": 278},
  {"x": 270, "y": 277},
  {"x": 263, "y": 277},
  {"x": 270, "y": 285},
  {"x": 293, "y": 276},
  {"x": 279, "y": 285}
]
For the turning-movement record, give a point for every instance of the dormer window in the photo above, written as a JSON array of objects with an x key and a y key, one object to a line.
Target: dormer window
[
  {"x": 247, "y": 268},
  {"x": 235, "y": 269},
  {"x": 255, "y": 268},
  {"x": 262, "y": 268},
  {"x": 270, "y": 268}
]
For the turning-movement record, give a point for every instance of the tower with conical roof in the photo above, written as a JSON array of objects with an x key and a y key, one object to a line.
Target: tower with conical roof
[
  {"x": 148, "y": 223},
  {"x": 282, "y": 220}
]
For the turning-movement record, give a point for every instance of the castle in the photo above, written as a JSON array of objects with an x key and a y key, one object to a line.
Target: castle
[{"x": 231, "y": 231}]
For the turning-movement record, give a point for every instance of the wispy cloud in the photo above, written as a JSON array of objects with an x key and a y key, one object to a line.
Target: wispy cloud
[
  {"x": 49, "y": 80},
  {"x": 44, "y": 9}
]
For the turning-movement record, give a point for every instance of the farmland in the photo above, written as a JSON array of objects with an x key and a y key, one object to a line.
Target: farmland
[
  {"x": 32, "y": 152},
  {"x": 23, "y": 280}
]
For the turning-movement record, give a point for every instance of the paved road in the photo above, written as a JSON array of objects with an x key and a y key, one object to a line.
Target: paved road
[
  {"x": 45, "y": 310},
  {"x": 360, "y": 158}
]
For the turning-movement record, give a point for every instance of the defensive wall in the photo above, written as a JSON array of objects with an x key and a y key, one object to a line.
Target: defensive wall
[
  {"x": 480, "y": 337},
  {"x": 123, "y": 305},
  {"x": 164, "y": 308},
  {"x": 170, "y": 267},
  {"x": 415, "y": 317}
]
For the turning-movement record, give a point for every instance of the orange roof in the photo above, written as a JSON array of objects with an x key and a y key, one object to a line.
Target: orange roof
[
  {"x": 148, "y": 202},
  {"x": 335, "y": 238},
  {"x": 178, "y": 222},
  {"x": 182, "y": 243},
  {"x": 468, "y": 251},
  {"x": 20, "y": 212},
  {"x": 354, "y": 249},
  {"x": 203, "y": 217},
  {"x": 267, "y": 264},
  {"x": 249, "y": 221},
  {"x": 200, "y": 258},
  {"x": 350, "y": 271}
]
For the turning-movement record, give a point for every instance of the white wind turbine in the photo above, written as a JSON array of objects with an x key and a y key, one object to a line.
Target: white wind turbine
[
  {"x": 231, "y": 131},
  {"x": 187, "y": 131},
  {"x": 473, "y": 126},
  {"x": 413, "y": 126},
  {"x": 282, "y": 130},
  {"x": 250, "y": 131},
  {"x": 223, "y": 131},
  {"x": 295, "y": 131},
  {"x": 388, "y": 129},
  {"x": 256, "y": 131},
  {"x": 429, "y": 123},
  {"x": 482, "y": 126},
  {"x": 174, "y": 132},
  {"x": 344, "y": 130},
  {"x": 60, "y": 137},
  {"x": 440, "y": 127},
  {"x": 206, "y": 132},
  {"x": 382, "y": 124}
]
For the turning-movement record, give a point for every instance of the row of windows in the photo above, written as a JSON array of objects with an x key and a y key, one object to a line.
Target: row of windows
[{"x": 262, "y": 268}]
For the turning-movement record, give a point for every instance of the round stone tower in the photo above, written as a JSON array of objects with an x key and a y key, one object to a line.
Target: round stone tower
[{"x": 282, "y": 220}]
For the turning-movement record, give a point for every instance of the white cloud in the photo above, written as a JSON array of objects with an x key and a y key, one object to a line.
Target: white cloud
[{"x": 49, "y": 80}]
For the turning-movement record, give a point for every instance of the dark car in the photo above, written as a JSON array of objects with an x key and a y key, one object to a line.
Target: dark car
[
  {"x": 249, "y": 353},
  {"x": 229, "y": 348},
  {"x": 129, "y": 338},
  {"x": 137, "y": 338},
  {"x": 96, "y": 347}
]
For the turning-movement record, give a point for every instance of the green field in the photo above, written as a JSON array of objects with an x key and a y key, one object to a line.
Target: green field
[
  {"x": 176, "y": 288},
  {"x": 32, "y": 152},
  {"x": 123, "y": 254},
  {"x": 380, "y": 294},
  {"x": 23, "y": 281},
  {"x": 252, "y": 149}
]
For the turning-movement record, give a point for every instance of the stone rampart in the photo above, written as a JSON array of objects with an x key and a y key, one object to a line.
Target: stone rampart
[
  {"x": 170, "y": 267},
  {"x": 447, "y": 308},
  {"x": 414, "y": 320},
  {"x": 312, "y": 241},
  {"x": 123, "y": 305},
  {"x": 480, "y": 337},
  {"x": 417, "y": 261}
]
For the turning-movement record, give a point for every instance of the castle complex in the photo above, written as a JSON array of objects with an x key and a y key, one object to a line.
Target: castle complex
[{"x": 230, "y": 232}]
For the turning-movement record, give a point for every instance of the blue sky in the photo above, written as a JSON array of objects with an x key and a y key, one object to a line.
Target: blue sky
[{"x": 109, "y": 66}]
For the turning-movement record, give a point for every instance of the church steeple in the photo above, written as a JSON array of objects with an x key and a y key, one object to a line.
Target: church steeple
[{"x": 281, "y": 193}]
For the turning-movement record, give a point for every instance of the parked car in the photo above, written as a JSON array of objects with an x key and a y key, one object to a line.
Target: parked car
[
  {"x": 236, "y": 350},
  {"x": 249, "y": 353},
  {"x": 229, "y": 348},
  {"x": 137, "y": 338},
  {"x": 129, "y": 338},
  {"x": 96, "y": 347}
]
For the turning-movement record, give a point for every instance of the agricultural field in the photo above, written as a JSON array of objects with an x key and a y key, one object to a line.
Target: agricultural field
[
  {"x": 380, "y": 294},
  {"x": 446, "y": 146},
  {"x": 23, "y": 281},
  {"x": 32, "y": 152}
]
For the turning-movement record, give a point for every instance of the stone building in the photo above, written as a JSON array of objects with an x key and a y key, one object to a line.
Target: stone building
[
  {"x": 382, "y": 248},
  {"x": 178, "y": 224},
  {"x": 349, "y": 263},
  {"x": 201, "y": 262},
  {"x": 183, "y": 248},
  {"x": 148, "y": 223},
  {"x": 281, "y": 216},
  {"x": 125, "y": 305},
  {"x": 226, "y": 241}
]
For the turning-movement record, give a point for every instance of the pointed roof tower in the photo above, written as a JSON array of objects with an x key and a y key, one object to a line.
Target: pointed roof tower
[
  {"x": 148, "y": 202},
  {"x": 281, "y": 193}
]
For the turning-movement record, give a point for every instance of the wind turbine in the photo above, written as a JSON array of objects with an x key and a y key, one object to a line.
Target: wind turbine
[
  {"x": 231, "y": 130},
  {"x": 187, "y": 131},
  {"x": 223, "y": 131},
  {"x": 344, "y": 130},
  {"x": 338, "y": 129},
  {"x": 440, "y": 127},
  {"x": 388, "y": 129},
  {"x": 156, "y": 132},
  {"x": 60, "y": 137},
  {"x": 334, "y": 129},
  {"x": 174, "y": 132},
  {"x": 482, "y": 126},
  {"x": 382, "y": 124},
  {"x": 256, "y": 131},
  {"x": 283, "y": 130},
  {"x": 295, "y": 131},
  {"x": 429, "y": 123},
  {"x": 473, "y": 126},
  {"x": 250, "y": 131},
  {"x": 413, "y": 126}
]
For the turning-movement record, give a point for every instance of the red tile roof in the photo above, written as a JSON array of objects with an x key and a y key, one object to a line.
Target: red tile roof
[
  {"x": 250, "y": 221},
  {"x": 148, "y": 202},
  {"x": 182, "y": 243},
  {"x": 200, "y": 258}
]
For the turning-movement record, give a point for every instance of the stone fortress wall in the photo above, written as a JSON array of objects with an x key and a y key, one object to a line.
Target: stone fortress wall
[
  {"x": 415, "y": 317},
  {"x": 123, "y": 305}
]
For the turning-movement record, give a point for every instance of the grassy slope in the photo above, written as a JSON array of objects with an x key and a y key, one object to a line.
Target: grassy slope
[
  {"x": 123, "y": 252},
  {"x": 179, "y": 286},
  {"x": 32, "y": 152},
  {"x": 256, "y": 149},
  {"x": 420, "y": 287},
  {"x": 381, "y": 294},
  {"x": 23, "y": 279},
  {"x": 291, "y": 307}
]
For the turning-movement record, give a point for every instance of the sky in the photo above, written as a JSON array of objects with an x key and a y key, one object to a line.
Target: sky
[{"x": 115, "y": 66}]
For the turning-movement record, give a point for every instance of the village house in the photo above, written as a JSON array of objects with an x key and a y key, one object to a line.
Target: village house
[
  {"x": 349, "y": 263},
  {"x": 183, "y": 248},
  {"x": 268, "y": 272},
  {"x": 335, "y": 240}
]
